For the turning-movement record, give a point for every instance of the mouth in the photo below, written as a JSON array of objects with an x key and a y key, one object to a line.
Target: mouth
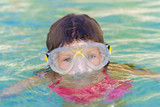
[{"x": 83, "y": 75}]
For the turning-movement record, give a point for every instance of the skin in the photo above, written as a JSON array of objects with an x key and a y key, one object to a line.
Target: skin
[
  {"x": 91, "y": 79},
  {"x": 117, "y": 71}
]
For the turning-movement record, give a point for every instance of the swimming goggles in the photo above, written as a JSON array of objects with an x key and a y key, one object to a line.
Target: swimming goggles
[{"x": 78, "y": 57}]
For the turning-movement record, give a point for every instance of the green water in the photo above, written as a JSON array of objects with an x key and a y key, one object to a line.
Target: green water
[{"x": 132, "y": 27}]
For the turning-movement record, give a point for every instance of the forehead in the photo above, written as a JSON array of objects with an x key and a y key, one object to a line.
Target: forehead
[{"x": 78, "y": 44}]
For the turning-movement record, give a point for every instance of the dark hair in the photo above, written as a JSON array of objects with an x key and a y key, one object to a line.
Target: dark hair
[{"x": 72, "y": 26}]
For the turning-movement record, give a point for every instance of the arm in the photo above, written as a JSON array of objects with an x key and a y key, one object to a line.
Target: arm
[
  {"x": 26, "y": 84},
  {"x": 126, "y": 70}
]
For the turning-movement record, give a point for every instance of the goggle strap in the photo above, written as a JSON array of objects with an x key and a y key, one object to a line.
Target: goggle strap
[
  {"x": 109, "y": 48},
  {"x": 44, "y": 56}
]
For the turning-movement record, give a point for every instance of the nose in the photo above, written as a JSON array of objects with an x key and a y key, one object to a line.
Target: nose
[{"x": 79, "y": 66}]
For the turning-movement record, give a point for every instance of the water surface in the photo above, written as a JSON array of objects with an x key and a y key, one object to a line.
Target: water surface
[{"x": 132, "y": 27}]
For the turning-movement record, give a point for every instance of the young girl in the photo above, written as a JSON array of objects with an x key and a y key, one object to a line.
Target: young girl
[{"x": 79, "y": 68}]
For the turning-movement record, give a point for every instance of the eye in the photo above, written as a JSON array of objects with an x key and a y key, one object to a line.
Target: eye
[
  {"x": 67, "y": 59},
  {"x": 91, "y": 56}
]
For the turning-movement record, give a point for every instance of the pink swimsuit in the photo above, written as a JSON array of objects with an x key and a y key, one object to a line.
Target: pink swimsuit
[{"x": 111, "y": 87}]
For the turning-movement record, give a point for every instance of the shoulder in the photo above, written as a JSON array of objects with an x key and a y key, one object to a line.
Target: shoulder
[
  {"x": 121, "y": 67},
  {"x": 46, "y": 73},
  {"x": 129, "y": 69}
]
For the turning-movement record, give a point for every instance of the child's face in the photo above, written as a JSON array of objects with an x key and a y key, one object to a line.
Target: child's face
[
  {"x": 79, "y": 57},
  {"x": 77, "y": 54}
]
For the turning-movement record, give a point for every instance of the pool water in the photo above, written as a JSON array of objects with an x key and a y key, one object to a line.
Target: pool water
[{"x": 131, "y": 27}]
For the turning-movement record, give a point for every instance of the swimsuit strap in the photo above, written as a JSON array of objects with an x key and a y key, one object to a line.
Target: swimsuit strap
[
  {"x": 57, "y": 81},
  {"x": 104, "y": 72}
]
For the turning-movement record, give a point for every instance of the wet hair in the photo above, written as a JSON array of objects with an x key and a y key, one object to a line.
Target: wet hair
[{"x": 73, "y": 27}]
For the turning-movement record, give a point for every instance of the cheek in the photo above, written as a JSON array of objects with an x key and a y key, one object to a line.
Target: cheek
[
  {"x": 63, "y": 65},
  {"x": 95, "y": 61}
]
